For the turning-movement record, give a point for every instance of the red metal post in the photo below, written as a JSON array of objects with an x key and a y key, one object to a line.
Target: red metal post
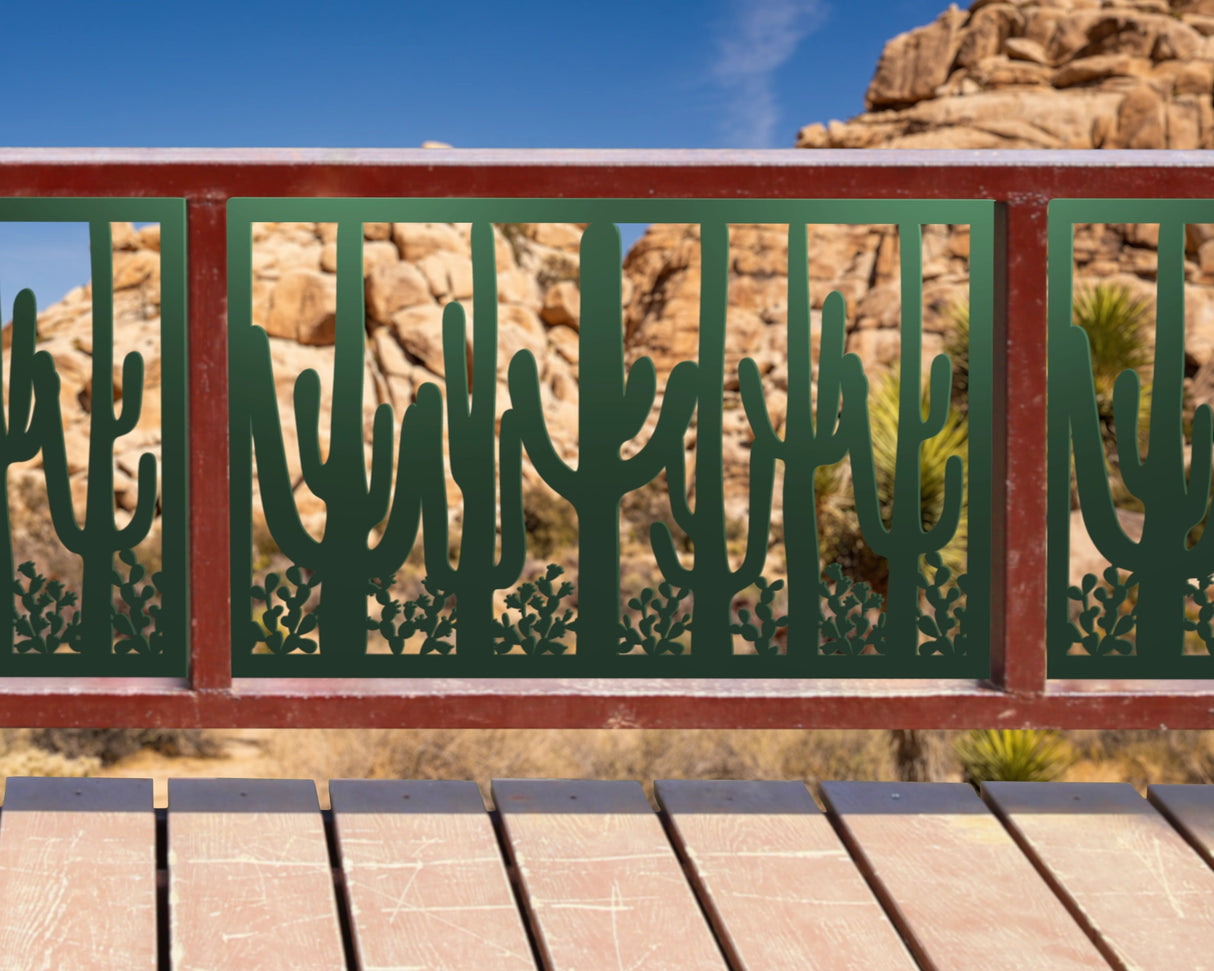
[
  {"x": 210, "y": 566},
  {"x": 1018, "y": 658}
]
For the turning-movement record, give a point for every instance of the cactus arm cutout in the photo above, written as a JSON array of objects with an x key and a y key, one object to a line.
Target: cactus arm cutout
[
  {"x": 307, "y": 429},
  {"x": 1127, "y": 394},
  {"x": 751, "y": 386},
  {"x": 477, "y": 465},
  {"x": 132, "y": 404},
  {"x": 342, "y": 561},
  {"x": 19, "y": 438},
  {"x": 904, "y": 540},
  {"x": 605, "y": 402},
  {"x": 640, "y": 388},
  {"x": 379, "y": 491},
  {"x": 1078, "y": 398},
  {"x": 524, "y": 383},
  {"x": 274, "y": 479},
  {"x": 98, "y": 539},
  {"x": 810, "y": 441},
  {"x": 423, "y": 487},
  {"x": 712, "y": 579},
  {"x": 145, "y": 506}
]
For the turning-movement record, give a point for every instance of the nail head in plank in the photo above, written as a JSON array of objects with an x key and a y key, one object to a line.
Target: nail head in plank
[
  {"x": 951, "y": 877},
  {"x": 250, "y": 885},
  {"x": 78, "y": 875},
  {"x": 601, "y": 881},
  {"x": 425, "y": 878},
  {"x": 1121, "y": 864},
  {"x": 1191, "y": 810},
  {"x": 776, "y": 880}
]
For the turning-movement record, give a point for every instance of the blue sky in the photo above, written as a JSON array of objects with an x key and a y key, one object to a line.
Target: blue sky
[{"x": 357, "y": 73}]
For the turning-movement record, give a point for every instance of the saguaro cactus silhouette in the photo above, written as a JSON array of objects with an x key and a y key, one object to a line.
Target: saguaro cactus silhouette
[
  {"x": 1161, "y": 560},
  {"x": 99, "y": 538},
  {"x": 18, "y": 439},
  {"x": 612, "y": 409},
  {"x": 354, "y": 505},
  {"x": 711, "y": 578},
  {"x": 904, "y": 541},
  {"x": 808, "y": 443},
  {"x": 471, "y": 423}
]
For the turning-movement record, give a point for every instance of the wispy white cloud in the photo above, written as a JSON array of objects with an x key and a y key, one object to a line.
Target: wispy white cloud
[{"x": 752, "y": 42}]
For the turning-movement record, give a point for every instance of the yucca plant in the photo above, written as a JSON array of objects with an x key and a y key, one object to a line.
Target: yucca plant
[
  {"x": 842, "y": 541},
  {"x": 1006, "y": 755},
  {"x": 1116, "y": 322}
]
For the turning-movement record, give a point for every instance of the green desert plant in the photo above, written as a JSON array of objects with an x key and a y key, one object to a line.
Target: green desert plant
[
  {"x": 18, "y": 442},
  {"x": 471, "y": 425},
  {"x": 613, "y": 406},
  {"x": 659, "y": 628},
  {"x": 1116, "y": 322},
  {"x": 846, "y": 628},
  {"x": 45, "y": 625},
  {"x": 281, "y": 633},
  {"x": 1175, "y": 502},
  {"x": 934, "y": 455},
  {"x": 816, "y": 435},
  {"x": 914, "y": 527},
  {"x": 140, "y": 612},
  {"x": 1009, "y": 755},
  {"x": 99, "y": 538},
  {"x": 1203, "y": 623},
  {"x": 945, "y": 625},
  {"x": 762, "y": 634},
  {"x": 425, "y": 614},
  {"x": 539, "y": 628},
  {"x": 1107, "y": 613},
  {"x": 957, "y": 347},
  {"x": 356, "y": 503},
  {"x": 711, "y": 577}
]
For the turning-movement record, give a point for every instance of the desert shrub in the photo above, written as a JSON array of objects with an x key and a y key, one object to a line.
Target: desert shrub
[
  {"x": 108, "y": 745},
  {"x": 1008, "y": 755}
]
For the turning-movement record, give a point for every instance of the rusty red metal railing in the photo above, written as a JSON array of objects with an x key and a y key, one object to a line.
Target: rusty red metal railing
[{"x": 1018, "y": 693}]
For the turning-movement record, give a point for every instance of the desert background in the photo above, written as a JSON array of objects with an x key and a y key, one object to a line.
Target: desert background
[{"x": 1042, "y": 74}]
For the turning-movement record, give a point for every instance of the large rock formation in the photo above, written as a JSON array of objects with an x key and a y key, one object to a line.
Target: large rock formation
[
  {"x": 1038, "y": 74},
  {"x": 1043, "y": 74}
]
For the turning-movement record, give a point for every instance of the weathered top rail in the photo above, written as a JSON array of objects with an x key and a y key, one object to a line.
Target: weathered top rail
[{"x": 1021, "y": 185}]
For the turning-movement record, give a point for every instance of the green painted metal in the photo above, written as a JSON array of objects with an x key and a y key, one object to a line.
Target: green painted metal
[
  {"x": 1145, "y": 615},
  {"x": 313, "y": 619},
  {"x": 122, "y": 621}
]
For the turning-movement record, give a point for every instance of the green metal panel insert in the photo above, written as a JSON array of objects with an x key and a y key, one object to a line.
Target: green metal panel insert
[
  {"x": 1142, "y": 497},
  {"x": 329, "y": 609},
  {"x": 122, "y": 610}
]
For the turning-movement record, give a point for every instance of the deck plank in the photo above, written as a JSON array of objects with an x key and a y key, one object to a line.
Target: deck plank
[
  {"x": 250, "y": 885},
  {"x": 78, "y": 875},
  {"x": 1133, "y": 878},
  {"x": 776, "y": 880},
  {"x": 427, "y": 884},
  {"x": 963, "y": 893},
  {"x": 1190, "y": 809},
  {"x": 601, "y": 881}
]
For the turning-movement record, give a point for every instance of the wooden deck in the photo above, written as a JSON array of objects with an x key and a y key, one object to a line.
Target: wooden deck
[{"x": 586, "y": 875}]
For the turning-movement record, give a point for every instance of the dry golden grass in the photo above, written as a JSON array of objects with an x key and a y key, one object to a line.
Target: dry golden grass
[
  {"x": 643, "y": 755},
  {"x": 1138, "y": 757}
]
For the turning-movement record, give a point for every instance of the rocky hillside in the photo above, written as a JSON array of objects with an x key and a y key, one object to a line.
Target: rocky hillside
[
  {"x": 1042, "y": 74},
  {"x": 1037, "y": 74}
]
